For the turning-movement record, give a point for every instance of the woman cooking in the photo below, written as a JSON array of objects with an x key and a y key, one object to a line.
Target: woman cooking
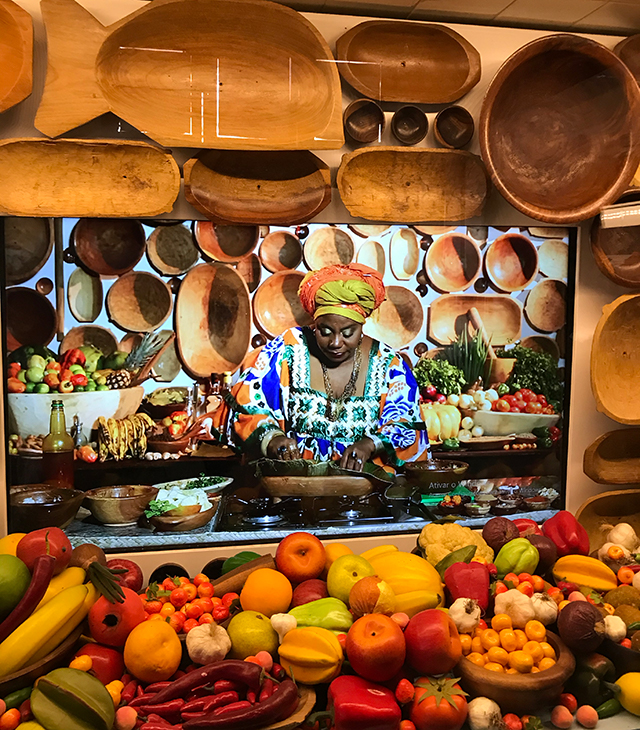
[{"x": 328, "y": 392}]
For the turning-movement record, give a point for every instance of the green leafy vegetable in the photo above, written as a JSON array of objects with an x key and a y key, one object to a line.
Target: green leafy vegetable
[
  {"x": 469, "y": 354},
  {"x": 537, "y": 371},
  {"x": 158, "y": 507},
  {"x": 445, "y": 377},
  {"x": 203, "y": 481}
]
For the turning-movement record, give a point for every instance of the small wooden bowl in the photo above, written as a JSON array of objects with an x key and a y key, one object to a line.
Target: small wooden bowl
[
  {"x": 628, "y": 51},
  {"x": 280, "y": 251},
  {"x": 277, "y": 306},
  {"x": 27, "y": 246},
  {"x": 184, "y": 523},
  {"x": 454, "y": 127},
  {"x": 224, "y": 243},
  {"x": 546, "y": 305},
  {"x": 108, "y": 247},
  {"x": 139, "y": 302},
  {"x": 427, "y": 473},
  {"x": 90, "y": 334},
  {"x": 84, "y": 295},
  {"x": 453, "y": 262},
  {"x": 44, "y": 286},
  {"x": 553, "y": 257},
  {"x": 542, "y": 343},
  {"x": 371, "y": 254},
  {"x": 409, "y": 125},
  {"x": 404, "y": 254},
  {"x": 33, "y": 506},
  {"x": 30, "y": 317},
  {"x": 398, "y": 320},
  {"x": 364, "y": 121},
  {"x": 171, "y": 250},
  {"x": 328, "y": 246},
  {"x": 171, "y": 446},
  {"x": 617, "y": 250},
  {"x": 614, "y": 457},
  {"x": 500, "y": 313},
  {"x": 511, "y": 262},
  {"x": 118, "y": 506},
  {"x": 250, "y": 269}
]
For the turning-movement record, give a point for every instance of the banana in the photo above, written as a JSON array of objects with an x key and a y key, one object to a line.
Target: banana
[
  {"x": 412, "y": 603},
  {"x": 18, "y": 648},
  {"x": 68, "y": 578}
]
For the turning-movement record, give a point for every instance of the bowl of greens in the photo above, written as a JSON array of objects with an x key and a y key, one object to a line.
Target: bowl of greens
[{"x": 209, "y": 484}]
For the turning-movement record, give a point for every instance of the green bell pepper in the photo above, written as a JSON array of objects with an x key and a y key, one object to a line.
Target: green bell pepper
[
  {"x": 592, "y": 681},
  {"x": 517, "y": 556},
  {"x": 452, "y": 444},
  {"x": 326, "y": 613}
]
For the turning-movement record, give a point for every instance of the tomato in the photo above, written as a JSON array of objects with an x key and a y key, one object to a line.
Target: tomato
[
  {"x": 515, "y": 409},
  {"x": 548, "y": 410},
  {"x": 437, "y": 705},
  {"x": 542, "y": 400},
  {"x": 521, "y": 404},
  {"x": 107, "y": 663},
  {"x": 511, "y": 399},
  {"x": 533, "y": 407},
  {"x": 526, "y": 394},
  {"x": 502, "y": 405}
]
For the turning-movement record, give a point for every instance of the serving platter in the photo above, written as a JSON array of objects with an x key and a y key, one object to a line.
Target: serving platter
[
  {"x": 108, "y": 248},
  {"x": 28, "y": 243},
  {"x": 139, "y": 302},
  {"x": 614, "y": 457},
  {"x": 221, "y": 483},
  {"x": 500, "y": 313},
  {"x": 398, "y": 320},
  {"x": 399, "y": 61},
  {"x": 277, "y": 306},
  {"x": 412, "y": 184},
  {"x": 84, "y": 295}
]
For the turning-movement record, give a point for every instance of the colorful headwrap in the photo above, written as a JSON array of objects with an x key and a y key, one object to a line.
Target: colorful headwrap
[{"x": 352, "y": 291}]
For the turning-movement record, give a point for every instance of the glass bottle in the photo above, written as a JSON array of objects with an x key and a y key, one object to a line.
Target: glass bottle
[{"x": 57, "y": 450}]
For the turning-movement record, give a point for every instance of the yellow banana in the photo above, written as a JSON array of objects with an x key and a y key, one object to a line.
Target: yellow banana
[
  {"x": 18, "y": 648},
  {"x": 68, "y": 578},
  {"x": 412, "y": 603},
  {"x": 61, "y": 634},
  {"x": 380, "y": 550}
]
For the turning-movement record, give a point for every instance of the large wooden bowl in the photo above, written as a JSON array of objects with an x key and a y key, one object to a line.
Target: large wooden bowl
[
  {"x": 273, "y": 188},
  {"x": 520, "y": 693},
  {"x": 418, "y": 63},
  {"x": 139, "y": 302},
  {"x": 404, "y": 254},
  {"x": 398, "y": 320},
  {"x": 617, "y": 250},
  {"x": 277, "y": 306},
  {"x": 615, "y": 376},
  {"x": 412, "y": 184},
  {"x": 559, "y": 128},
  {"x": 16, "y": 54},
  {"x": 609, "y": 508},
  {"x": 614, "y": 457},
  {"x": 84, "y": 295},
  {"x": 553, "y": 258},
  {"x": 90, "y": 334},
  {"x": 511, "y": 262},
  {"x": 371, "y": 254},
  {"x": 501, "y": 316},
  {"x": 628, "y": 51},
  {"x": 280, "y": 250},
  {"x": 33, "y": 506},
  {"x": 546, "y": 305},
  {"x": 109, "y": 248},
  {"x": 213, "y": 319},
  {"x": 453, "y": 262},
  {"x": 328, "y": 246},
  {"x": 27, "y": 246},
  {"x": 117, "y": 506},
  {"x": 171, "y": 250},
  {"x": 225, "y": 243},
  {"x": 30, "y": 318}
]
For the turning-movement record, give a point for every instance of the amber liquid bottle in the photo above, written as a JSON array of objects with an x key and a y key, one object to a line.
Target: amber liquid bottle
[{"x": 57, "y": 451}]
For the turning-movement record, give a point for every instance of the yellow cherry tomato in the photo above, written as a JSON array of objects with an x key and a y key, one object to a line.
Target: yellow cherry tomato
[
  {"x": 476, "y": 658},
  {"x": 489, "y": 638},
  {"x": 521, "y": 661},
  {"x": 548, "y": 650},
  {"x": 508, "y": 640},
  {"x": 498, "y": 655},
  {"x": 535, "y": 631},
  {"x": 465, "y": 640},
  {"x": 534, "y": 670},
  {"x": 494, "y": 667},
  {"x": 501, "y": 621}
]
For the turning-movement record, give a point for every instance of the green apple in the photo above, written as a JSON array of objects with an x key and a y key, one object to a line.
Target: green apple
[
  {"x": 77, "y": 369},
  {"x": 91, "y": 385},
  {"x": 344, "y": 573},
  {"x": 30, "y": 387},
  {"x": 41, "y": 388},
  {"x": 35, "y": 375},
  {"x": 22, "y": 376},
  {"x": 102, "y": 387},
  {"x": 36, "y": 361}
]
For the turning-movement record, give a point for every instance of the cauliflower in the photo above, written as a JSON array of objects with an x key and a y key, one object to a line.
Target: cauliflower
[{"x": 437, "y": 541}]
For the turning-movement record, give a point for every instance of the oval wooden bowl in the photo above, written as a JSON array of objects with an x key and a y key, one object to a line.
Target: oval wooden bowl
[
  {"x": 542, "y": 343},
  {"x": 500, "y": 313},
  {"x": 184, "y": 523},
  {"x": 328, "y": 246},
  {"x": 30, "y": 318},
  {"x": 84, "y": 295},
  {"x": 404, "y": 254},
  {"x": 16, "y": 54},
  {"x": 280, "y": 251},
  {"x": 108, "y": 248},
  {"x": 409, "y": 124},
  {"x": 399, "y": 61},
  {"x": 224, "y": 243},
  {"x": 139, "y": 302},
  {"x": 398, "y": 320},
  {"x": 454, "y": 127},
  {"x": 614, "y": 457},
  {"x": 371, "y": 254},
  {"x": 520, "y": 693},
  {"x": 367, "y": 231},
  {"x": 27, "y": 245},
  {"x": 277, "y": 188},
  {"x": 617, "y": 250},
  {"x": 412, "y": 183},
  {"x": 546, "y": 305},
  {"x": 628, "y": 51},
  {"x": 213, "y": 320},
  {"x": 453, "y": 262},
  {"x": 91, "y": 334},
  {"x": 324, "y": 486},
  {"x": 511, "y": 262},
  {"x": 277, "y": 306},
  {"x": 250, "y": 269},
  {"x": 609, "y": 508},
  {"x": 171, "y": 250},
  {"x": 615, "y": 376},
  {"x": 551, "y": 146},
  {"x": 553, "y": 258},
  {"x": 122, "y": 505},
  {"x": 364, "y": 121},
  {"x": 34, "y": 506}
]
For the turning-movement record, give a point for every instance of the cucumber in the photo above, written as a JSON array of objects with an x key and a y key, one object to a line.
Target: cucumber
[{"x": 609, "y": 708}]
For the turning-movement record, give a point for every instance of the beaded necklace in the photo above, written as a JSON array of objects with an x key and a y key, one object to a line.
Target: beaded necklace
[{"x": 335, "y": 403}]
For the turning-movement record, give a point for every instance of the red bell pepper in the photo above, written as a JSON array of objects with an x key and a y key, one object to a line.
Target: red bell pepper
[
  {"x": 79, "y": 379},
  {"x": 567, "y": 534},
  {"x": 468, "y": 580},
  {"x": 527, "y": 527},
  {"x": 73, "y": 357},
  {"x": 356, "y": 704}
]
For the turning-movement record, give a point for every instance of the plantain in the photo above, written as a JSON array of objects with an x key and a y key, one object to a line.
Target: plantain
[{"x": 69, "y": 577}]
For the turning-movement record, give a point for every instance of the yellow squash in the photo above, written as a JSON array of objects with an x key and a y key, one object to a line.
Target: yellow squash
[
  {"x": 442, "y": 421},
  {"x": 311, "y": 655},
  {"x": 585, "y": 571}
]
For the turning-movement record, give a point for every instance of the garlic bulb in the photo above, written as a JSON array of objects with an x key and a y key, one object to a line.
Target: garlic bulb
[
  {"x": 465, "y": 614},
  {"x": 484, "y": 714},
  {"x": 545, "y": 608},
  {"x": 623, "y": 534},
  {"x": 516, "y": 605},
  {"x": 615, "y": 628}
]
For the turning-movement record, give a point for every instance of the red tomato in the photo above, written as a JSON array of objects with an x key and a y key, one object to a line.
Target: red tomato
[
  {"x": 548, "y": 410},
  {"x": 533, "y": 407},
  {"x": 511, "y": 399},
  {"x": 431, "y": 709},
  {"x": 515, "y": 409},
  {"x": 521, "y": 404},
  {"x": 542, "y": 400},
  {"x": 503, "y": 405},
  {"x": 526, "y": 394}
]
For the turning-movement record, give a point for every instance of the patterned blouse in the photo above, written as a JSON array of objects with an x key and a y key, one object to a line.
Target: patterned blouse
[{"x": 274, "y": 394}]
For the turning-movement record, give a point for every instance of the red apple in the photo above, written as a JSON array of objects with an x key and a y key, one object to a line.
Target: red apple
[
  {"x": 46, "y": 541},
  {"x": 300, "y": 556},
  {"x": 111, "y": 623},
  {"x": 107, "y": 664},
  {"x": 309, "y": 590},
  {"x": 132, "y": 578},
  {"x": 376, "y": 647},
  {"x": 433, "y": 642}
]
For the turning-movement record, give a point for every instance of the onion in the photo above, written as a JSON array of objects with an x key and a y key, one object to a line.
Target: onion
[
  {"x": 86, "y": 554},
  {"x": 581, "y": 626}
]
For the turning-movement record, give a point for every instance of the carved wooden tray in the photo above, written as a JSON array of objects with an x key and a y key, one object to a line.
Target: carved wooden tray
[
  {"x": 194, "y": 74},
  {"x": 614, "y": 457},
  {"x": 273, "y": 188},
  {"x": 27, "y": 246},
  {"x": 554, "y": 149},
  {"x": 412, "y": 184},
  {"x": 398, "y": 320},
  {"x": 139, "y": 302},
  {"x": 501, "y": 316},
  {"x": 276, "y": 304},
  {"x": 420, "y": 63},
  {"x": 16, "y": 54}
]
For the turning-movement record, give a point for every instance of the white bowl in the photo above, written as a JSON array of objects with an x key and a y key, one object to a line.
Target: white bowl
[
  {"x": 496, "y": 423},
  {"x": 29, "y": 412}
]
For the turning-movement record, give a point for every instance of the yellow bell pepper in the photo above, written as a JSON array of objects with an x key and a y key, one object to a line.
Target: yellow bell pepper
[
  {"x": 442, "y": 421},
  {"x": 311, "y": 655}
]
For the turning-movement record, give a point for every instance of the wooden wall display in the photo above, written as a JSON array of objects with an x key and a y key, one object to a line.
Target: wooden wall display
[
  {"x": 16, "y": 54},
  {"x": 229, "y": 74}
]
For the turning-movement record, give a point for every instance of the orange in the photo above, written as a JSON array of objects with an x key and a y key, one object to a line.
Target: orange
[
  {"x": 266, "y": 591},
  {"x": 153, "y": 651},
  {"x": 9, "y": 543}
]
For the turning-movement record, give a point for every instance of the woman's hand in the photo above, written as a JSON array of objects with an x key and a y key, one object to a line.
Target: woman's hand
[
  {"x": 357, "y": 455},
  {"x": 283, "y": 448}
]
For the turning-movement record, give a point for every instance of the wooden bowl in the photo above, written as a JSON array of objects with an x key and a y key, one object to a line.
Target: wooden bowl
[
  {"x": 500, "y": 313},
  {"x": 399, "y": 61},
  {"x": 412, "y": 183},
  {"x": 364, "y": 121},
  {"x": 109, "y": 248},
  {"x": 554, "y": 149},
  {"x": 542, "y": 343},
  {"x": 139, "y": 302},
  {"x": 119, "y": 506},
  {"x": 614, "y": 457},
  {"x": 16, "y": 54},
  {"x": 454, "y": 127},
  {"x": 328, "y": 246},
  {"x": 277, "y": 188},
  {"x": 495, "y": 423},
  {"x": 227, "y": 244},
  {"x": 617, "y": 250},
  {"x": 157, "y": 411},
  {"x": 553, "y": 258},
  {"x": 548, "y": 232},
  {"x": 371, "y": 254},
  {"x": 409, "y": 124},
  {"x": 280, "y": 251},
  {"x": 436, "y": 475},
  {"x": 250, "y": 269},
  {"x": 32, "y": 506},
  {"x": 453, "y": 262},
  {"x": 84, "y": 295},
  {"x": 546, "y": 305},
  {"x": 520, "y": 693},
  {"x": 628, "y": 51},
  {"x": 170, "y": 446},
  {"x": 30, "y": 318},
  {"x": 171, "y": 250},
  {"x": 277, "y": 306},
  {"x": 27, "y": 244},
  {"x": 90, "y": 334},
  {"x": 511, "y": 262},
  {"x": 398, "y": 320},
  {"x": 213, "y": 320},
  {"x": 184, "y": 523},
  {"x": 606, "y": 509},
  {"x": 404, "y": 254}
]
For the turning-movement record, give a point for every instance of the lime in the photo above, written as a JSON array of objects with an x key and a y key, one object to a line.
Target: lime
[
  {"x": 91, "y": 385},
  {"x": 14, "y": 581},
  {"x": 41, "y": 388},
  {"x": 79, "y": 388},
  {"x": 102, "y": 387},
  {"x": 30, "y": 387},
  {"x": 251, "y": 632}
]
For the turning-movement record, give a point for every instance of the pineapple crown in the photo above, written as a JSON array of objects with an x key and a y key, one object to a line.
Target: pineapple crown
[{"x": 143, "y": 352}]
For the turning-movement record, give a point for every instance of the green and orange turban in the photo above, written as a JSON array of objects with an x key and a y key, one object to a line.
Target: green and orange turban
[{"x": 352, "y": 291}]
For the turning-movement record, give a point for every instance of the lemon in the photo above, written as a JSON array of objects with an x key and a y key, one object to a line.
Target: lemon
[
  {"x": 629, "y": 695},
  {"x": 9, "y": 543},
  {"x": 251, "y": 632},
  {"x": 14, "y": 581}
]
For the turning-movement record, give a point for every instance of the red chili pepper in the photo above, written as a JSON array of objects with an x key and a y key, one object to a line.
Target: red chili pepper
[
  {"x": 211, "y": 702},
  {"x": 357, "y": 703},
  {"x": 156, "y": 687},
  {"x": 198, "y": 692},
  {"x": 167, "y": 710},
  {"x": 158, "y": 726},
  {"x": 142, "y": 700},
  {"x": 226, "y": 685},
  {"x": 251, "y": 697},
  {"x": 267, "y": 689},
  {"x": 468, "y": 580},
  {"x": 25, "y": 711},
  {"x": 129, "y": 691},
  {"x": 277, "y": 671},
  {"x": 157, "y": 720},
  {"x": 567, "y": 534},
  {"x": 139, "y": 691},
  {"x": 232, "y": 707},
  {"x": 526, "y": 526},
  {"x": 126, "y": 678}
]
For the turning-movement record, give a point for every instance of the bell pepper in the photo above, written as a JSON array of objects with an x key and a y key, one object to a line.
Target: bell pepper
[
  {"x": 356, "y": 704},
  {"x": 591, "y": 682},
  {"x": 468, "y": 580},
  {"x": 526, "y": 526},
  {"x": 326, "y": 613},
  {"x": 75, "y": 356},
  {"x": 79, "y": 379},
  {"x": 567, "y": 534},
  {"x": 517, "y": 556}
]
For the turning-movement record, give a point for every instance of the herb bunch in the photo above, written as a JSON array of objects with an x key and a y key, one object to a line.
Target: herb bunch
[
  {"x": 469, "y": 354},
  {"x": 445, "y": 377}
]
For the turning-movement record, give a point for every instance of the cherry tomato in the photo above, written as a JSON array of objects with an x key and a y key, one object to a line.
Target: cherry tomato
[
  {"x": 220, "y": 613},
  {"x": 526, "y": 394},
  {"x": 511, "y": 399},
  {"x": 503, "y": 406},
  {"x": 533, "y": 407},
  {"x": 542, "y": 400},
  {"x": 521, "y": 404},
  {"x": 514, "y": 409},
  {"x": 228, "y": 598}
]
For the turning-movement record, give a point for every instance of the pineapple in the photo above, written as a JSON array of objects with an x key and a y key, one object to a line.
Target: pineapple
[{"x": 139, "y": 356}]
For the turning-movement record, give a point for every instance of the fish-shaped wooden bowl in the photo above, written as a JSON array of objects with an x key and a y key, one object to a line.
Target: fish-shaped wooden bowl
[
  {"x": 277, "y": 306},
  {"x": 404, "y": 254}
]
